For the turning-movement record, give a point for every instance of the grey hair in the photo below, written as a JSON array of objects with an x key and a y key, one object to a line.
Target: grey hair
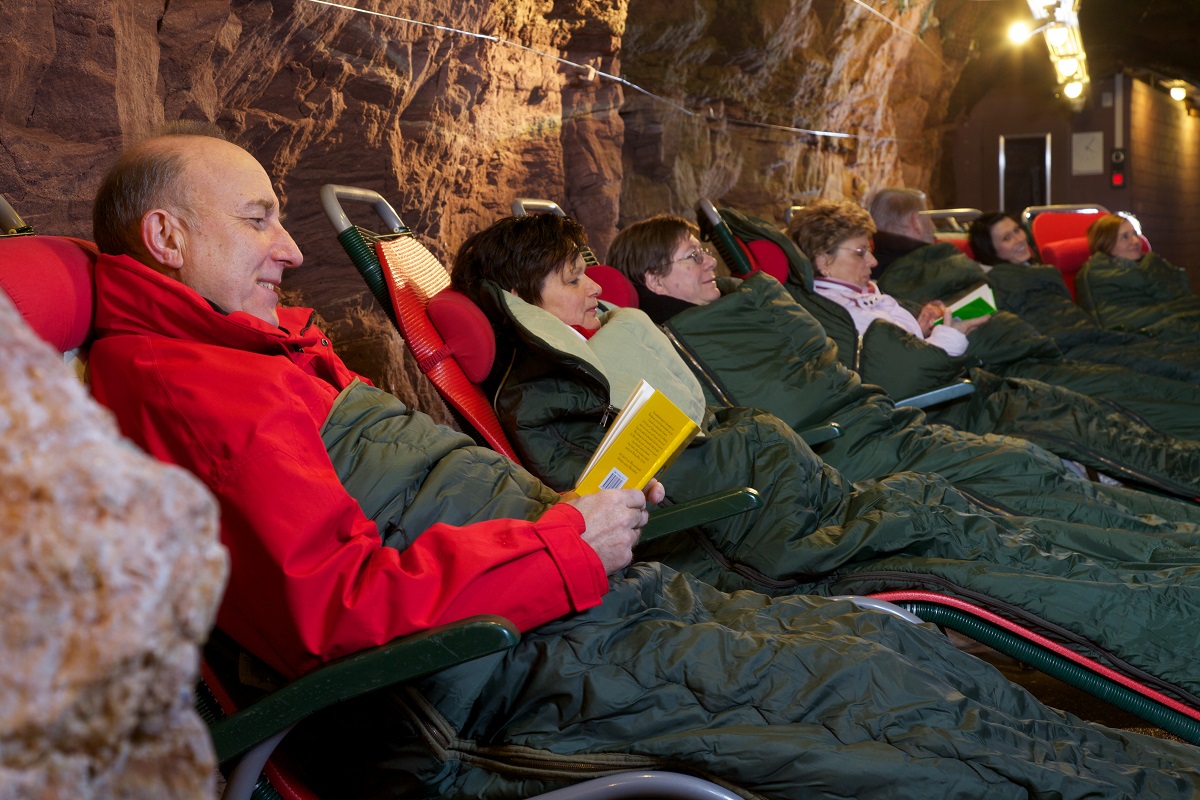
[
  {"x": 890, "y": 208},
  {"x": 145, "y": 176}
]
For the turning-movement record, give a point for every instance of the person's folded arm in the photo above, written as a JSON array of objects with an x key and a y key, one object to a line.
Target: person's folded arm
[{"x": 311, "y": 579}]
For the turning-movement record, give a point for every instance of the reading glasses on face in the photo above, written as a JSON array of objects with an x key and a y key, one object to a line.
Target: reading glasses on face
[
  {"x": 696, "y": 256},
  {"x": 861, "y": 252}
]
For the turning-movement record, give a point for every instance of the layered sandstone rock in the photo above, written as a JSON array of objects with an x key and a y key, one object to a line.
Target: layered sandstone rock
[
  {"x": 452, "y": 110},
  {"x": 112, "y": 573}
]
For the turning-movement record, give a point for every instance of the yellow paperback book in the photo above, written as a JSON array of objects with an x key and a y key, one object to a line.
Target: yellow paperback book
[{"x": 642, "y": 441}]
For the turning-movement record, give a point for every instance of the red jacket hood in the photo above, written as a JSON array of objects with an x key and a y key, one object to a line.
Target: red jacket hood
[{"x": 123, "y": 286}]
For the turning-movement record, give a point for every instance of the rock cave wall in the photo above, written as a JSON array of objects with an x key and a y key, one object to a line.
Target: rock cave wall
[
  {"x": 450, "y": 128},
  {"x": 112, "y": 572}
]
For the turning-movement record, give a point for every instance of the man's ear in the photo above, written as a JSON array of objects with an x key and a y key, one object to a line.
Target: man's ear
[
  {"x": 655, "y": 283},
  {"x": 163, "y": 237}
]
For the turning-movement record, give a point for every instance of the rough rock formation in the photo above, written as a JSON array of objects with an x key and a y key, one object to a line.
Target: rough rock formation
[
  {"x": 757, "y": 75},
  {"x": 452, "y": 110},
  {"x": 112, "y": 573}
]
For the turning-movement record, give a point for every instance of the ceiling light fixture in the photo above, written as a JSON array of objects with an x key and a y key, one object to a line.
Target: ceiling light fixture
[
  {"x": 1067, "y": 67},
  {"x": 1058, "y": 22},
  {"x": 1057, "y": 35}
]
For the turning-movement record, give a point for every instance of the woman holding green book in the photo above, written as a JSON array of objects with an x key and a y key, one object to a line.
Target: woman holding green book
[{"x": 839, "y": 244}]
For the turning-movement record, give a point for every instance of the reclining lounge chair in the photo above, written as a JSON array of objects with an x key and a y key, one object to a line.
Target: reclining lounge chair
[{"x": 49, "y": 280}]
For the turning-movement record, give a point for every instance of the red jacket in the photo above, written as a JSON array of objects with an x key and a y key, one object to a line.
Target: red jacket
[{"x": 240, "y": 403}]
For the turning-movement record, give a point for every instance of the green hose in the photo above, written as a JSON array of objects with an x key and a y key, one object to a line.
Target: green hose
[{"x": 1058, "y": 667}]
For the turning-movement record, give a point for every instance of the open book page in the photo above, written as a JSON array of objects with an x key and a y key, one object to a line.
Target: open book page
[
  {"x": 979, "y": 302},
  {"x": 643, "y": 440}
]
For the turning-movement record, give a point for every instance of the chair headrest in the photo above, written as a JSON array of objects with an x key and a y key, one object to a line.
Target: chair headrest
[
  {"x": 466, "y": 331},
  {"x": 615, "y": 288},
  {"x": 49, "y": 279},
  {"x": 1054, "y": 226},
  {"x": 768, "y": 257},
  {"x": 1067, "y": 255},
  {"x": 961, "y": 243}
]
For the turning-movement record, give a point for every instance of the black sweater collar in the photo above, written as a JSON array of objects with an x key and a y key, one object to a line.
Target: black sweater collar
[{"x": 660, "y": 307}]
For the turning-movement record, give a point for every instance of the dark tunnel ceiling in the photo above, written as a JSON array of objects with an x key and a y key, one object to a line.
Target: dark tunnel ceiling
[{"x": 1158, "y": 35}]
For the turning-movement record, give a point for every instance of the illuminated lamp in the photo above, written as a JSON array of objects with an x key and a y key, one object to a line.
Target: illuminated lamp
[
  {"x": 1018, "y": 32},
  {"x": 1067, "y": 67},
  {"x": 1178, "y": 93},
  {"x": 1057, "y": 35},
  {"x": 1073, "y": 89}
]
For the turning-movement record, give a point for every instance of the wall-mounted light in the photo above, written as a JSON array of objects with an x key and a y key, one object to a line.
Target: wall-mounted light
[
  {"x": 1073, "y": 89},
  {"x": 1178, "y": 93}
]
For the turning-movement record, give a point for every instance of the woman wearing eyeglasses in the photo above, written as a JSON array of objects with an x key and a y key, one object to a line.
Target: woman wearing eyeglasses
[{"x": 837, "y": 237}]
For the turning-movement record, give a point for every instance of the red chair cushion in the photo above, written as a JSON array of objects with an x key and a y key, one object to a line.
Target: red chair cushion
[
  {"x": 615, "y": 288},
  {"x": 961, "y": 243},
  {"x": 49, "y": 279},
  {"x": 1067, "y": 256},
  {"x": 466, "y": 332},
  {"x": 769, "y": 258},
  {"x": 1054, "y": 226}
]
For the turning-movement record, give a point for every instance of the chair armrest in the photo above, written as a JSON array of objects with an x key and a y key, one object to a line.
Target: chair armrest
[
  {"x": 709, "y": 508},
  {"x": 397, "y": 661},
  {"x": 643, "y": 784},
  {"x": 942, "y": 395},
  {"x": 822, "y": 433}
]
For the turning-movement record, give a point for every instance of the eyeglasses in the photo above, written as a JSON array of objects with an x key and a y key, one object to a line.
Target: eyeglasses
[
  {"x": 861, "y": 252},
  {"x": 696, "y": 256}
]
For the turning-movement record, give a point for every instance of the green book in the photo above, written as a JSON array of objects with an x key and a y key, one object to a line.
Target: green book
[{"x": 979, "y": 302}]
